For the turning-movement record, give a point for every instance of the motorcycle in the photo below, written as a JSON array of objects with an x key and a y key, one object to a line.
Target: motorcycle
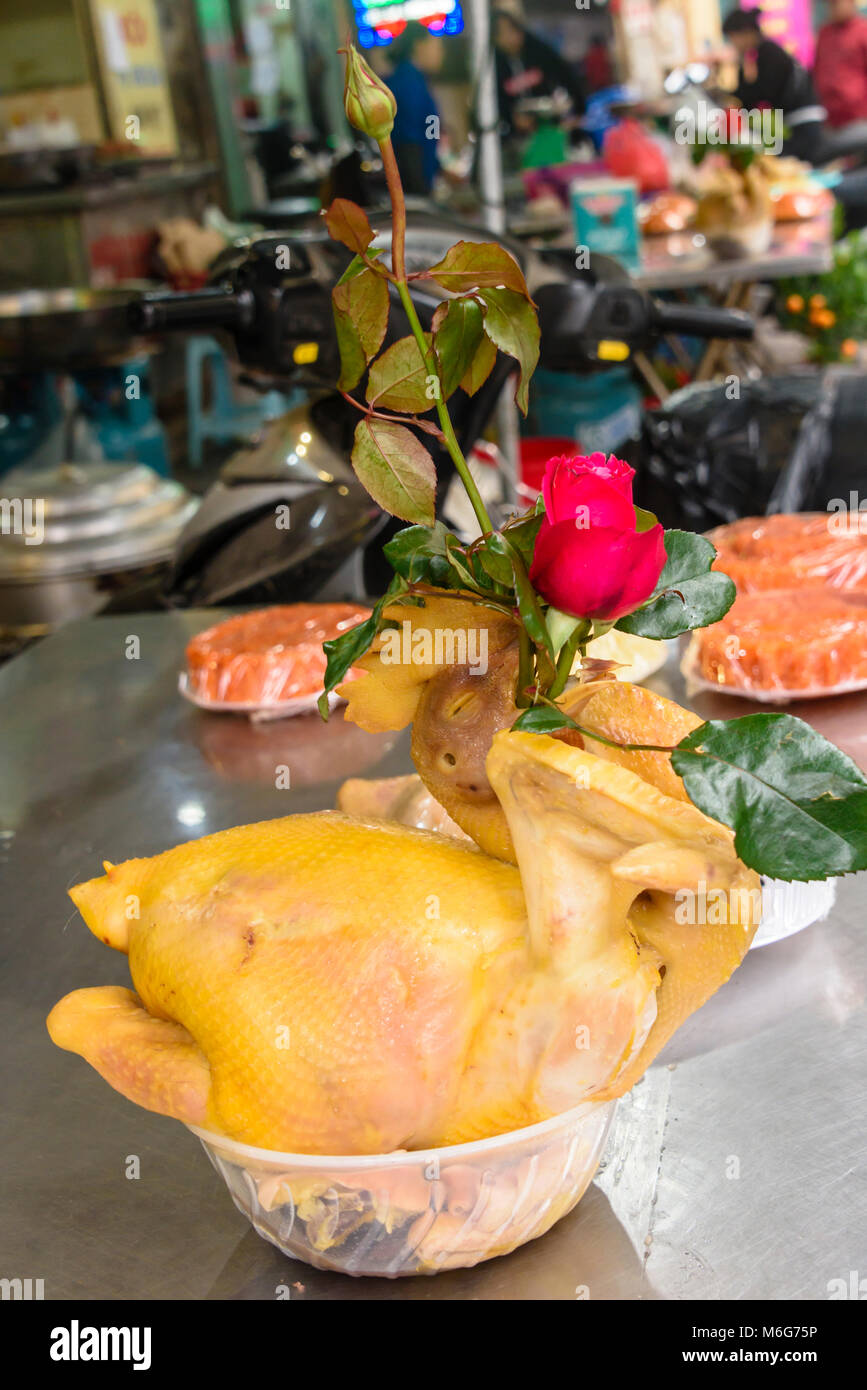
[{"x": 272, "y": 295}]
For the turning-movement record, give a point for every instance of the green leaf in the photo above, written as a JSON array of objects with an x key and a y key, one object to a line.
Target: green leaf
[
  {"x": 543, "y": 719},
  {"x": 458, "y": 329},
  {"x": 480, "y": 368},
  {"x": 396, "y": 469},
  {"x": 357, "y": 266},
  {"x": 347, "y": 222},
  {"x": 522, "y": 532},
  {"x": 458, "y": 560},
  {"x": 707, "y": 595},
  {"x": 496, "y": 564},
  {"x": 644, "y": 520},
  {"x": 470, "y": 265},
  {"x": 342, "y": 652},
  {"x": 399, "y": 379},
  {"x": 528, "y": 601},
  {"x": 416, "y": 550},
  {"x": 513, "y": 326},
  {"x": 561, "y": 626},
  {"x": 422, "y": 554},
  {"x": 360, "y": 304},
  {"x": 797, "y": 805}
]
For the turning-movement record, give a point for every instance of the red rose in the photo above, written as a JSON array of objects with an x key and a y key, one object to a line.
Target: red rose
[{"x": 589, "y": 559}]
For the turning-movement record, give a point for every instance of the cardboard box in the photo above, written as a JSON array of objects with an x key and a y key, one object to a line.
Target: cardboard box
[{"x": 604, "y": 212}]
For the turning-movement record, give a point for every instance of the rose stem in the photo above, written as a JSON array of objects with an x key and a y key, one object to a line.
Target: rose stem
[
  {"x": 398, "y": 264},
  {"x": 525, "y": 665},
  {"x": 630, "y": 747},
  {"x": 566, "y": 658}
]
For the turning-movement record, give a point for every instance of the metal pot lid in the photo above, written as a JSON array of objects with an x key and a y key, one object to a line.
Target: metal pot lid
[{"x": 88, "y": 518}]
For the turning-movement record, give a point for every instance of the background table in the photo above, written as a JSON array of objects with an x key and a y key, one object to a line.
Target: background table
[{"x": 101, "y": 758}]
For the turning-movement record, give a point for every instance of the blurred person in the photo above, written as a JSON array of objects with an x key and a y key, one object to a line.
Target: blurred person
[
  {"x": 769, "y": 76},
  {"x": 840, "y": 66},
  {"x": 527, "y": 66},
  {"x": 598, "y": 72},
  {"x": 417, "y": 55}
]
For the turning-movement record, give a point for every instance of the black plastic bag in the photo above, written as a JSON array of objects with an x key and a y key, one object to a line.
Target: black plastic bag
[{"x": 787, "y": 443}]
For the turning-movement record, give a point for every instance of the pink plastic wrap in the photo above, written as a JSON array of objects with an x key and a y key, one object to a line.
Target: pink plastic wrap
[
  {"x": 785, "y": 644},
  {"x": 794, "y": 549},
  {"x": 269, "y": 659}
]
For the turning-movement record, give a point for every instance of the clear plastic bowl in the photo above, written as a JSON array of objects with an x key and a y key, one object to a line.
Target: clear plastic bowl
[{"x": 416, "y": 1212}]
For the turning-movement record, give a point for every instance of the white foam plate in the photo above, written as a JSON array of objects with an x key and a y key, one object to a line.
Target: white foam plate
[
  {"x": 689, "y": 669},
  {"x": 790, "y": 907},
  {"x": 304, "y": 704}
]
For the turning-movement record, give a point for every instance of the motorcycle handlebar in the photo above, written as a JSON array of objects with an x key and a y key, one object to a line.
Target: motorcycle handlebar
[
  {"x": 702, "y": 321},
  {"x": 213, "y": 306}
]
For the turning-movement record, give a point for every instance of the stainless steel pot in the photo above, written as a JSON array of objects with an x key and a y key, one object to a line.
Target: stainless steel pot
[{"x": 74, "y": 538}]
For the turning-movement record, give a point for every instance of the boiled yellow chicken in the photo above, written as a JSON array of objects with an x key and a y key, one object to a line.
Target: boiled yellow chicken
[
  {"x": 330, "y": 984},
  {"x": 456, "y": 713}
]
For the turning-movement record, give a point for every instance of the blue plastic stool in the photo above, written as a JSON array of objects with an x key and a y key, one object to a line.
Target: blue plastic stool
[{"x": 225, "y": 419}]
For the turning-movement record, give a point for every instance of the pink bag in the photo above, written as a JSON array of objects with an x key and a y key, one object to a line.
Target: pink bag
[{"x": 630, "y": 153}]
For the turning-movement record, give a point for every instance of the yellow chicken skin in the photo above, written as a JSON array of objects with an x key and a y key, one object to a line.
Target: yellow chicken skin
[
  {"x": 456, "y": 710},
  {"x": 320, "y": 984},
  {"x": 457, "y": 714}
]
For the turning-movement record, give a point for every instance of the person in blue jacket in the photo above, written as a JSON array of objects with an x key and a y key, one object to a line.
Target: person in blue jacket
[{"x": 417, "y": 55}]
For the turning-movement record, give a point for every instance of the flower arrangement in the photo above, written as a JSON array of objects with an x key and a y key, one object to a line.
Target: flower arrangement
[
  {"x": 734, "y": 198},
  {"x": 584, "y": 559},
  {"x": 736, "y": 135}
]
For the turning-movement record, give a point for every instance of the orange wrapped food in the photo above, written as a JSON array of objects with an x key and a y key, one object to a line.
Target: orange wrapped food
[
  {"x": 798, "y": 204},
  {"x": 793, "y": 549},
  {"x": 788, "y": 641},
  {"x": 268, "y": 657},
  {"x": 667, "y": 212}
]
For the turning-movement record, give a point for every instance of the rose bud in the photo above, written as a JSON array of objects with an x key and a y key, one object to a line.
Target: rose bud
[
  {"x": 590, "y": 560},
  {"x": 370, "y": 105}
]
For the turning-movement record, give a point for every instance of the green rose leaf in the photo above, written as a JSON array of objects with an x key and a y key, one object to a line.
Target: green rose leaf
[
  {"x": 528, "y": 601},
  {"x": 396, "y": 469},
  {"x": 360, "y": 304},
  {"x": 347, "y": 222},
  {"x": 522, "y": 532},
  {"x": 797, "y": 804},
  {"x": 342, "y": 652},
  {"x": 470, "y": 265},
  {"x": 421, "y": 554},
  {"x": 480, "y": 368},
  {"x": 495, "y": 564},
  {"x": 644, "y": 520},
  {"x": 543, "y": 719},
  {"x": 707, "y": 595},
  {"x": 512, "y": 326},
  {"x": 358, "y": 265},
  {"x": 399, "y": 379},
  {"x": 459, "y": 561},
  {"x": 458, "y": 329},
  {"x": 562, "y": 626},
  {"x": 418, "y": 554}
]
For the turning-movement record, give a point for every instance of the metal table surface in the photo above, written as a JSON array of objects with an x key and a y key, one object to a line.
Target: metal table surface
[
  {"x": 674, "y": 261},
  {"x": 735, "y": 1168}
]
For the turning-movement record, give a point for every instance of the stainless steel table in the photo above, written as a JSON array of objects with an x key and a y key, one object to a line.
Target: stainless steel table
[{"x": 735, "y": 1169}]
